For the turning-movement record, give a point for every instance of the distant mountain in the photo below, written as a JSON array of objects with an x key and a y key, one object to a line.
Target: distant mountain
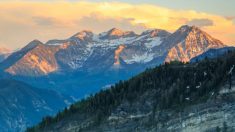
[
  {"x": 191, "y": 97},
  {"x": 85, "y": 63},
  {"x": 115, "y": 48},
  {"x": 4, "y": 53},
  {"x": 33, "y": 60},
  {"x": 212, "y": 53},
  {"x": 23, "y": 105},
  {"x": 83, "y": 50},
  {"x": 90, "y": 61}
]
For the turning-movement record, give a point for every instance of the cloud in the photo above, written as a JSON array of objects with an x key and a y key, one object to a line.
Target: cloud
[
  {"x": 44, "y": 21},
  {"x": 230, "y": 17},
  {"x": 101, "y": 24},
  {"x": 22, "y": 22},
  {"x": 200, "y": 22}
]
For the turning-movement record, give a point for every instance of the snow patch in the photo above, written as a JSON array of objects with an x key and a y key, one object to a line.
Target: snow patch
[
  {"x": 140, "y": 58},
  {"x": 67, "y": 102},
  {"x": 153, "y": 42},
  {"x": 58, "y": 44}
]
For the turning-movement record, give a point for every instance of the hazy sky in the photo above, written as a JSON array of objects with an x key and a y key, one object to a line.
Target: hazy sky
[{"x": 24, "y": 20}]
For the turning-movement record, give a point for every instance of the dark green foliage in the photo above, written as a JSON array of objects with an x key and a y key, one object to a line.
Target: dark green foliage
[
  {"x": 225, "y": 127},
  {"x": 178, "y": 85},
  {"x": 218, "y": 129}
]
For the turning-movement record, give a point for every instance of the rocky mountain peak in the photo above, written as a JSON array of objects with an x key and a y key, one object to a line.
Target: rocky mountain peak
[
  {"x": 156, "y": 33},
  {"x": 35, "y": 42},
  {"x": 115, "y": 33},
  {"x": 83, "y": 35},
  {"x": 32, "y": 44},
  {"x": 202, "y": 38},
  {"x": 186, "y": 30},
  {"x": 188, "y": 42}
]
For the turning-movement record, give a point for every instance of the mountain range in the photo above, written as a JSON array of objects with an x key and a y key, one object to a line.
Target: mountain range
[
  {"x": 86, "y": 63},
  {"x": 103, "y": 58},
  {"x": 115, "y": 48}
]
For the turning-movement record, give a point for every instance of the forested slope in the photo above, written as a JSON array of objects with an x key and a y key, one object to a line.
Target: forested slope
[{"x": 155, "y": 99}]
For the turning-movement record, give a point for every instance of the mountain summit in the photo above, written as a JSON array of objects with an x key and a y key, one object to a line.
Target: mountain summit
[
  {"x": 115, "y": 33},
  {"x": 188, "y": 42},
  {"x": 84, "y": 35}
]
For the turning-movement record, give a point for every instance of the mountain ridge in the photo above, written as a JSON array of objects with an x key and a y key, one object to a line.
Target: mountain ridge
[{"x": 78, "y": 51}]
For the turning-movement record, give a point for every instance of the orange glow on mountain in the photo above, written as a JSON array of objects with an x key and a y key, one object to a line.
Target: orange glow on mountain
[
  {"x": 117, "y": 32},
  {"x": 117, "y": 54}
]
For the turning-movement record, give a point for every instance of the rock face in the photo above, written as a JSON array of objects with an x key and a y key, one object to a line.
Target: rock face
[
  {"x": 209, "y": 116},
  {"x": 33, "y": 60},
  {"x": 23, "y": 105},
  {"x": 86, "y": 51},
  {"x": 188, "y": 42}
]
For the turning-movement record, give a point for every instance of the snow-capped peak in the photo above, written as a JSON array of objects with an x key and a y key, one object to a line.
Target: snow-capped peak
[{"x": 86, "y": 50}]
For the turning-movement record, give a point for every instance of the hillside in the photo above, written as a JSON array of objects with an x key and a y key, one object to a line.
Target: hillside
[
  {"x": 23, "y": 106},
  {"x": 171, "y": 97}
]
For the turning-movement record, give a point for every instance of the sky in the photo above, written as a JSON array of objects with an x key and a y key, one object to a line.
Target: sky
[{"x": 22, "y": 21}]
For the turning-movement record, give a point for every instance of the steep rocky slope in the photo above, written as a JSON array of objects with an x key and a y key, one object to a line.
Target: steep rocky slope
[
  {"x": 189, "y": 42},
  {"x": 35, "y": 59},
  {"x": 172, "y": 97}
]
